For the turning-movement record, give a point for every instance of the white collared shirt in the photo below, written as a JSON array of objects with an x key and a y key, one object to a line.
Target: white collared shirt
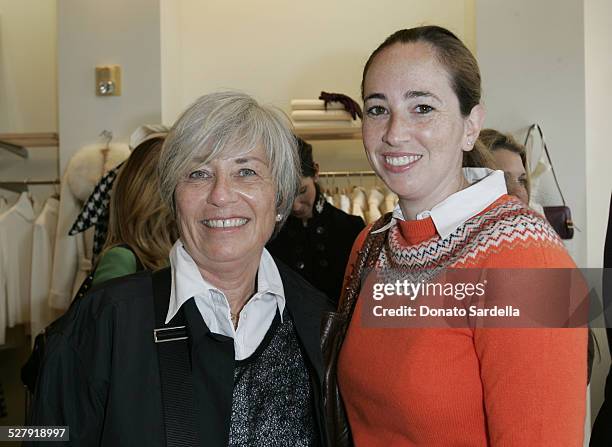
[
  {"x": 255, "y": 317},
  {"x": 486, "y": 186}
]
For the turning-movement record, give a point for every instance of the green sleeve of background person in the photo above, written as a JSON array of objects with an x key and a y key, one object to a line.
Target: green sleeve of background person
[{"x": 116, "y": 262}]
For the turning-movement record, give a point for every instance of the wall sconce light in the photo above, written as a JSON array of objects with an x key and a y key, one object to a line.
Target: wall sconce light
[{"x": 108, "y": 80}]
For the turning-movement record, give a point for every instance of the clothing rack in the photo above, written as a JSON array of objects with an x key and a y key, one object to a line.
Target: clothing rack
[
  {"x": 21, "y": 186},
  {"x": 17, "y": 143},
  {"x": 332, "y": 133},
  {"x": 347, "y": 174}
]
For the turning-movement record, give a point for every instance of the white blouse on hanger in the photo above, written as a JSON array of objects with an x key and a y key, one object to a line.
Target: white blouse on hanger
[
  {"x": 16, "y": 226},
  {"x": 344, "y": 203},
  {"x": 3, "y": 204},
  {"x": 43, "y": 242},
  {"x": 375, "y": 200},
  {"x": 358, "y": 197},
  {"x": 389, "y": 204}
]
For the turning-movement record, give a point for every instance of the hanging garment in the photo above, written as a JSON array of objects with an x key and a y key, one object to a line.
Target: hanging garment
[
  {"x": 72, "y": 257},
  {"x": 147, "y": 132},
  {"x": 95, "y": 211},
  {"x": 345, "y": 203},
  {"x": 375, "y": 200},
  {"x": 3, "y": 204},
  {"x": 358, "y": 202},
  {"x": 43, "y": 241},
  {"x": 389, "y": 204},
  {"x": 15, "y": 264},
  {"x": 329, "y": 199}
]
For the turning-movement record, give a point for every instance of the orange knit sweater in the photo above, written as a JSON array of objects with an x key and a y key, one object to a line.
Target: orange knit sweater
[{"x": 467, "y": 387}]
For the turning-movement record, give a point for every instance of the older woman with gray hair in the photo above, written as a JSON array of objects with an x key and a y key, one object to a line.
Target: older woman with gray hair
[{"x": 222, "y": 347}]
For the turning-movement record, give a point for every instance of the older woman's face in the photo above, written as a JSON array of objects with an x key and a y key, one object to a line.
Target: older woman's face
[
  {"x": 226, "y": 208},
  {"x": 516, "y": 177},
  {"x": 413, "y": 130}
]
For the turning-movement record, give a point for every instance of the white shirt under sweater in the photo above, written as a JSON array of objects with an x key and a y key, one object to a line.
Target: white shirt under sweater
[
  {"x": 486, "y": 186},
  {"x": 255, "y": 317}
]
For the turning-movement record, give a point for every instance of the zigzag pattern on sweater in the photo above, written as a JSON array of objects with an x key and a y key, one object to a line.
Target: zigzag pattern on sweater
[{"x": 506, "y": 226}]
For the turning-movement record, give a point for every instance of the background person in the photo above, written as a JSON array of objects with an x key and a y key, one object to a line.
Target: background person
[
  {"x": 229, "y": 172},
  {"x": 510, "y": 157},
  {"x": 455, "y": 386},
  {"x": 141, "y": 228},
  {"x": 317, "y": 238}
]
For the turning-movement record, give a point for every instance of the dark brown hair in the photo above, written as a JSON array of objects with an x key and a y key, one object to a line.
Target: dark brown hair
[
  {"x": 450, "y": 52},
  {"x": 307, "y": 164}
]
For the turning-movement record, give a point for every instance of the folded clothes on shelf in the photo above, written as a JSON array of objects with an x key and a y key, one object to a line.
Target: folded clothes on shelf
[
  {"x": 314, "y": 104},
  {"x": 321, "y": 115},
  {"x": 325, "y": 124}
]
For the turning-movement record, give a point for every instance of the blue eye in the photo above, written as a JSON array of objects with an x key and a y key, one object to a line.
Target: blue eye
[
  {"x": 246, "y": 172},
  {"x": 199, "y": 174},
  {"x": 423, "y": 109},
  {"x": 376, "y": 111}
]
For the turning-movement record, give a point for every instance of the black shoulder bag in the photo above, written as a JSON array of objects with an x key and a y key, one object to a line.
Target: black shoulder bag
[{"x": 173, "y": 352}]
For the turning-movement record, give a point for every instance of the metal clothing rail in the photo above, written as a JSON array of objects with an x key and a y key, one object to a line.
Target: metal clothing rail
[
  {"x": 16, "y": 143},
  {"x": 14, "y": 148},
  {"x": 347, "y": 174},
  {"x": 21, "y": 186}
]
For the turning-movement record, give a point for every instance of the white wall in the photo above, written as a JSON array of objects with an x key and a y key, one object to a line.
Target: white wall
[
  {"x": 28, "y": 85},
  {"x": 28, "y": 93},
  {"x": 532, "y": 59},
  {"x": 278, "y": 50},
  {"x": 90, "y": 33}
]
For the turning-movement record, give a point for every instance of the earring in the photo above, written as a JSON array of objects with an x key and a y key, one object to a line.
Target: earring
[{"x": 279, "y": 217}]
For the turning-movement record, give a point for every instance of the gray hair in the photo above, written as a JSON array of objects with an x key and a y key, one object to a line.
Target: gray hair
[{"x": 222, "y": 122}]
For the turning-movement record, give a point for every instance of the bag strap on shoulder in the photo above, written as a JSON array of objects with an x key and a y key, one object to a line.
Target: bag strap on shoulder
[
  {"x": 366, "y": 259},
  {"x": 173, "y": 351},
  {"x": 545, "y": 149}
]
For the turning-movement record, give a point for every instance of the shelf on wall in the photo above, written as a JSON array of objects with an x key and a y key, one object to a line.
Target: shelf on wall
[
  {"x": 329, "y": 133},
  {"x": 36, "y": 139}
]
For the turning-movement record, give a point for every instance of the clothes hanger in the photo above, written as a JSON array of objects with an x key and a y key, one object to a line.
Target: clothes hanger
[{"x": 108, "y": 137}]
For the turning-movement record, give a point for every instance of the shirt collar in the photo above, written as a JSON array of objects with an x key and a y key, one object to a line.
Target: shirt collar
[
  {"x": 24, "y": 207},
  {"x": 187, "y": 281},
  {"x": 486, "y": 186}
]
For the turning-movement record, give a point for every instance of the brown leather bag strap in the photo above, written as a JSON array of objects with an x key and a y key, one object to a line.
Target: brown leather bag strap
[{"x": 366, "y": 259}]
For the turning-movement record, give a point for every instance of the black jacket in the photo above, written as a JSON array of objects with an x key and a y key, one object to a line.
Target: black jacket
[
  {"x": 319, "y": 251},
  {"x": 100, "y": 373},
  {"x": 601, "y": 435}
]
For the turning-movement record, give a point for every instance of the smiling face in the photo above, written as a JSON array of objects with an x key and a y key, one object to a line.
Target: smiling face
[
  {"x": 226, "y": 209},
  {"x": 413, "y": 131}
]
